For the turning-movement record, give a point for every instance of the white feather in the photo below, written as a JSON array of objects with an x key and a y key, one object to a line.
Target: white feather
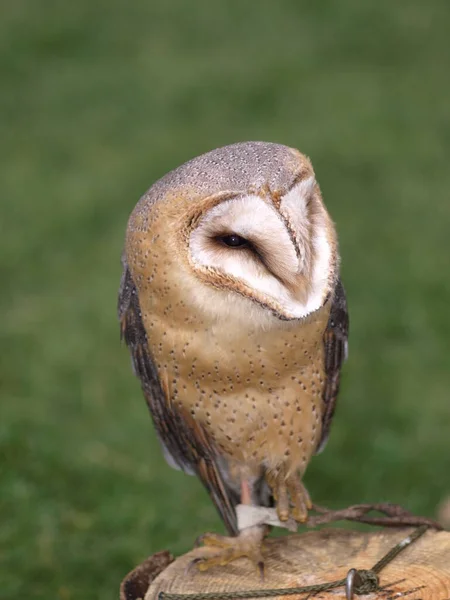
[{"x": 254, "y": 218}]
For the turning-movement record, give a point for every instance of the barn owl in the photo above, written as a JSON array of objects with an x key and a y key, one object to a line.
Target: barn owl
[{"x": 233, "y": 311}]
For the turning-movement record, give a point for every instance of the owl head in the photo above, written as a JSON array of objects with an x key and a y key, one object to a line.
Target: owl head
[{"x": 240, "y": 232}]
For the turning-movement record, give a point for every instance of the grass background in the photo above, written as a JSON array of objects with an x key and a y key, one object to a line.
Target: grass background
[{"x": 99, "y": 99}]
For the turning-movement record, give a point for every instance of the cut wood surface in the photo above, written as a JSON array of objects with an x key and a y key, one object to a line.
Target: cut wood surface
[{"x": 421, "y": 571}]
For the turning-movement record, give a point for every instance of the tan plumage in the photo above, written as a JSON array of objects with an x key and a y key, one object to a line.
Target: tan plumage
[{"x": 237, "y": 353}]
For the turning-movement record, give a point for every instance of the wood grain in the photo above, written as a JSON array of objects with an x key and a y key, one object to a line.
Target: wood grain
[{"x": 421, "y": 571}]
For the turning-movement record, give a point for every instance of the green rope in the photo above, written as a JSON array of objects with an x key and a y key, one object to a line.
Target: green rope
[
  {"x": 364, "y": 581},
  {"x": 415, "y": 535},
  {"x": 312, "y": 589}
]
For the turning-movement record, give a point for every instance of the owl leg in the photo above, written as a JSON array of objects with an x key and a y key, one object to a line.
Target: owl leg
[
  {"x": 291, "y": 497},
  {"x": 248, "y": 543}
]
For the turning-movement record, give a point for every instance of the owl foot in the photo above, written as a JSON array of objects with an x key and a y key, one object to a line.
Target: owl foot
[
  {"x": 247, "y": 544},
  {"x": 291, "y": 497}
]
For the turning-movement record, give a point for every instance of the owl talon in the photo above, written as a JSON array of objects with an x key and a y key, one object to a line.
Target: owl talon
[
  {"x": 291, "y": 496},
  {"x": 283, "y": 502},
  {"x": 247, "y": 544},
  {"x": 300, "y": 499},
  {"x": 191, "y": 565}
]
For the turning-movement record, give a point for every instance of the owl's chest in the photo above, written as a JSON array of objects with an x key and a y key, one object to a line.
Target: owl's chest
[{"x": 258, "y": 396}]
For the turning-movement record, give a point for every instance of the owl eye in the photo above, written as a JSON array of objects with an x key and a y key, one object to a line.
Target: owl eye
[{"x": 233, "y": 241}]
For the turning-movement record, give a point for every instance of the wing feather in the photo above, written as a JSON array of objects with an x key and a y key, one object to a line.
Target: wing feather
[
  {"x": 185, "y": 443},
  {"x": 336, "y": 350}
]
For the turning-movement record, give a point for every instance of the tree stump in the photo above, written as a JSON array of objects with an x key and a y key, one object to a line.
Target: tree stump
[{"x": 420, "y": 571}]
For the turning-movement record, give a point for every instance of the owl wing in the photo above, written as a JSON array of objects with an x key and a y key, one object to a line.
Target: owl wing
[
  {"x": 336, "y": 350},
  {"x": 185, "y": 444}
]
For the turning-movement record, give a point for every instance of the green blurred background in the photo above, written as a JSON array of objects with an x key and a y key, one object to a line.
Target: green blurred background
[{"x": 98, "y": 100}]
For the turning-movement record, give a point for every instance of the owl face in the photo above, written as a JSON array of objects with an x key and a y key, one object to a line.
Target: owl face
[
  {"x": 239, "y": 234},
  {"x": 277, "y": 251}
]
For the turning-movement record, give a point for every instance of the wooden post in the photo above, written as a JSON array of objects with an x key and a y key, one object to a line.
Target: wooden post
[{"x": 421, "y": 571}]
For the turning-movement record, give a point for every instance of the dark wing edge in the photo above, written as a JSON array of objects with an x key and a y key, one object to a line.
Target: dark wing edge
[
  {"x": 336, "y": 350},
  {"x": 184, "y": 442}
]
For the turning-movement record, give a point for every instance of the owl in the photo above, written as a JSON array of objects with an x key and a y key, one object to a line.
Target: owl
[{"x": 233, "y": 310}]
